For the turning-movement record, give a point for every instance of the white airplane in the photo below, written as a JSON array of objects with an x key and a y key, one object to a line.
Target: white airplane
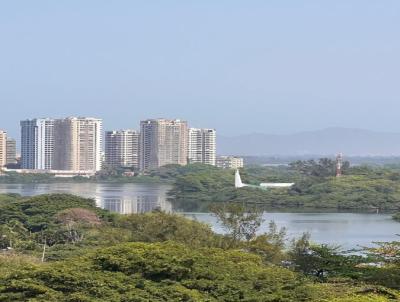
[{"x": 265, "y": 185}]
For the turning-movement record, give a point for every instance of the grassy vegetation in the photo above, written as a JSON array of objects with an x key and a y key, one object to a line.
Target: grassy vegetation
[{"x": 93, "y": 255}]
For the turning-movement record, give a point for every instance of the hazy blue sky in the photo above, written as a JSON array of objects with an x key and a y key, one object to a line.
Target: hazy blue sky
[{"x": 238, "y": 66}]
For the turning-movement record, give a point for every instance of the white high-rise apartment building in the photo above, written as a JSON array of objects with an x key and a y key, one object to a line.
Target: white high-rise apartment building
[
  {"x": 163, "y": 142},
  {"x": 202, "y": 146},
  {"x": 3, "y": 148},
  {"x": 37, "y": 143},
  {"x": 122, "y": 149},
  {"x": 77, "y": 144}
]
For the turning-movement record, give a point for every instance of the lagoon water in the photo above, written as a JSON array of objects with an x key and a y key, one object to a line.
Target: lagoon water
[
  {"x": 349, "y": 230},
  {"x": 121, "y": 198}
]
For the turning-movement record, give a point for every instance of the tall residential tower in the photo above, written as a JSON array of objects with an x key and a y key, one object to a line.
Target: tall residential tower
[
  {"x": 37, "y": 143},
  {"x": 77, "y": 144},
  {"x": 11, "y": 151},
  {"x": 202, "y": 146},
  {"x": 163, "y": 142},
  {"x": 122, "y": 149}
]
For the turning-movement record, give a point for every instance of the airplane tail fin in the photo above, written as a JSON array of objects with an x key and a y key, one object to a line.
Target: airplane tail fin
[{"x": 238, "y": 180}]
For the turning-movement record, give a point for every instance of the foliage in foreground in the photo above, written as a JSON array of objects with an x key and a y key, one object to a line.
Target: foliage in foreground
[
  {"x": 93, "y": 255},
  {"x": 167, "y": 272}
]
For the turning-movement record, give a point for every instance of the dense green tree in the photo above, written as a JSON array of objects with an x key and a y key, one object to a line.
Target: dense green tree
[
  {"x": 324, "y": 167},
  {"x": 270, "y": 245},
  {"x": 168, "y": 272},
  {"x": 38, "y": 213},
  {"x": 240, "y": 222},
  {"x": 322, "y": 261},
  {"x": 159, "y": 226}
]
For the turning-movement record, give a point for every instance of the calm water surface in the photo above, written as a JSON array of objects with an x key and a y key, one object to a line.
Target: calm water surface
[
  {"x": 121, "y": 198},
  {"x": 349, "y": 230}
]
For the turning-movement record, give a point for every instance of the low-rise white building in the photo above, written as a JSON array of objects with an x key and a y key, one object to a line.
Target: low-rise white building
[{"x": 230, "y": 162}]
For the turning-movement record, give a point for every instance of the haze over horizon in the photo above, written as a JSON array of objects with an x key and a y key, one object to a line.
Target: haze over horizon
[{"x": 239, "y": 67}]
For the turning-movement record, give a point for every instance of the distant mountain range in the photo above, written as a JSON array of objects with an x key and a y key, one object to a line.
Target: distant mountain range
[{"x": 352, "y": 142}]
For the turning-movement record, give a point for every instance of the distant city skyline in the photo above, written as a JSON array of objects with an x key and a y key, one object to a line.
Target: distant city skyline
[
  {"x": 75, "y": 144},
  {"x": 266, "y": 67}
]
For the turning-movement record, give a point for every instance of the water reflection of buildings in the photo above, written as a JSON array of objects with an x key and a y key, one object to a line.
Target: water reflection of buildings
[{"x": 137, "y": 204}]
